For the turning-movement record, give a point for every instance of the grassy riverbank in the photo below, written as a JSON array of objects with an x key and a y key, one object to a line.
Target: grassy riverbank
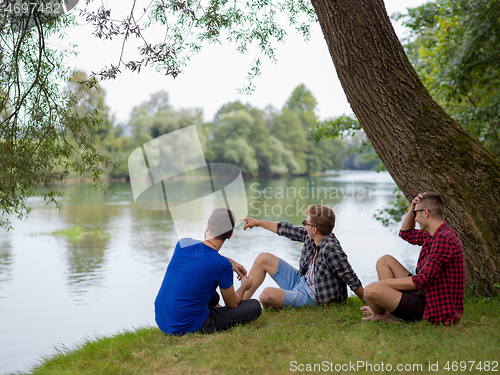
[{"x": 331, "y": 338}]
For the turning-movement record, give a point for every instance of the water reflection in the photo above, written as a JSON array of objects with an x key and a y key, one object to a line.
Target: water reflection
[
  {"x": 151, "y": 236},
  {"x": 85, "y": 258},
  {"x": 287, "y": 199},
  {"x": 6, "y": 260},
  {"x": 85, "y": 250},
  {"x": 110, "y": 222}
]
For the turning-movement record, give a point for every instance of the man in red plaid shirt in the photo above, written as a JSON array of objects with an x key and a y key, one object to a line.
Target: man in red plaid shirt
[{"x": 436, "y": 292}]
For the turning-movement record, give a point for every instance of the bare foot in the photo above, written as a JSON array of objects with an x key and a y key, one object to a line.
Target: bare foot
[
  {"x": 385, "y": 317},
  {"x": 366, "y": 310}
]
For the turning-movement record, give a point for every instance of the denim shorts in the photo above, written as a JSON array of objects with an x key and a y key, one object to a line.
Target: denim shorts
[{"x": 293, "y": 284}]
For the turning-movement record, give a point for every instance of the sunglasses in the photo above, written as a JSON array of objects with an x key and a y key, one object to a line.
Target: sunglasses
[
  {"x": 415, "y": 211},
  {"x": 304, "y": 223}
]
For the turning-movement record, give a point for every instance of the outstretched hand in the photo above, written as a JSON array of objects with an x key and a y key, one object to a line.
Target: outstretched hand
[{"x": 249, "y": 223}]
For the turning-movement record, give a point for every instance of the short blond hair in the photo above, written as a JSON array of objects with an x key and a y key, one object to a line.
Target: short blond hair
[{"x": 322, "y": 217}]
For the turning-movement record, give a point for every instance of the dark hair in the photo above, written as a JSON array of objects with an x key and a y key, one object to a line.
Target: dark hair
[
  {"x": 322, "y": 217},
  {"x": 221, "y": 223},
  {"x": 434, "y": 203}
]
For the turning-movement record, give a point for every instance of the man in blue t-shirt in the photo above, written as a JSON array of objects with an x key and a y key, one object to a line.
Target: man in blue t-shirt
[{"x": 187, "y": 300}]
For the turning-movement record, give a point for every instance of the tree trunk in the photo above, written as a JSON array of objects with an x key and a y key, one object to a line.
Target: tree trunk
[{"x": 422, "y": 147}]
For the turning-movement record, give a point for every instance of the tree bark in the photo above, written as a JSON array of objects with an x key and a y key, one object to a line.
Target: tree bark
[{"x": 422, "y": 147}]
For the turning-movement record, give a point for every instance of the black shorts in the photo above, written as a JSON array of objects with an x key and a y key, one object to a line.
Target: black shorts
[{"x": 412, "y": 305}]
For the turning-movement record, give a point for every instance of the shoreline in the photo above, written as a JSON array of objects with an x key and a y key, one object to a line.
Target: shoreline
[{"x": 110, "y": 179}]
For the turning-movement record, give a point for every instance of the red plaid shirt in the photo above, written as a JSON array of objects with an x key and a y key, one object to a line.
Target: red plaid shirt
[{"x": 440, "y": 273}]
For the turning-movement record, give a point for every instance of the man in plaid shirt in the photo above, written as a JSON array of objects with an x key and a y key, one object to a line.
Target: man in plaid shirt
[
  {"x": 324, "y": 268},
  {"x": 436, "y": 292}
]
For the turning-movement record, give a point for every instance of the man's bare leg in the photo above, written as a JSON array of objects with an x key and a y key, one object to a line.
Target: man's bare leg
[
  {"x": 272, "y": 297},
  {"x": 264, "y": 263},
  {"x": 389, "y": 268},
  {"x": 382, "y": 300}
]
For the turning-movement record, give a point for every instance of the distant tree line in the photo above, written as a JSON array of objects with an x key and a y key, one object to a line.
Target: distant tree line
[{"x": 267, "y": 142}]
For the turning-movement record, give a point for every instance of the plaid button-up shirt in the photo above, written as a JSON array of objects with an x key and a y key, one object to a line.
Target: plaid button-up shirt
[
  {"x": 440, "y": 273},
  {"x": 332, "y": 270}
]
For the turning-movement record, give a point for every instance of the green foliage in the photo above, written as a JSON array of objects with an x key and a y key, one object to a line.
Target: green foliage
[
  {"x": 325, "y": 155},
  {"x": 187, "y": 25},
  {"x": 157, "y": 117},
  {"x": 266, "y": 143},
  {"x": 303, "y": 104},
  {"x": 319, "y": 155},
  {"x": 360, "y": 150},
  {"x": 108, "y": 138},
  {"x": 273, "y": 143},
  {"x": 231, "y": 140},
  {"x": 41, "y": 139},
  {"x": 341, "y": 126},
  {"x": 154, "y": 118},
  {"x": 287, "y": 127},
  {"x": 454, "y": 48},
  {"x": 282, "y": 160},
  {"x": 89, "y": 97},
  {"x": 261, "y": 153},
  {"x": 395, "y": 210},
  {"x": 360, "y": 154}
]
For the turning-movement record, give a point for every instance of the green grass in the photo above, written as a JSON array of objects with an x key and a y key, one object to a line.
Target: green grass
[
  {"x": 322, "y": 335},
  {"x": 77, "y": 232}
]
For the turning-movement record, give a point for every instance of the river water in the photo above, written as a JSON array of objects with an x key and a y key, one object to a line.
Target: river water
[{"x": 56, "y": 292}]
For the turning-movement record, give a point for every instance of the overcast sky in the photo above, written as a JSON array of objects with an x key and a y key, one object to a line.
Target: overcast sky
[{"x": 213, "y": 76}]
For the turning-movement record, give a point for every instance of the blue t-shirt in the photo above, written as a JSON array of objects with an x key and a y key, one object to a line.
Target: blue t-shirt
[{"x": 192, "y": 276}]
